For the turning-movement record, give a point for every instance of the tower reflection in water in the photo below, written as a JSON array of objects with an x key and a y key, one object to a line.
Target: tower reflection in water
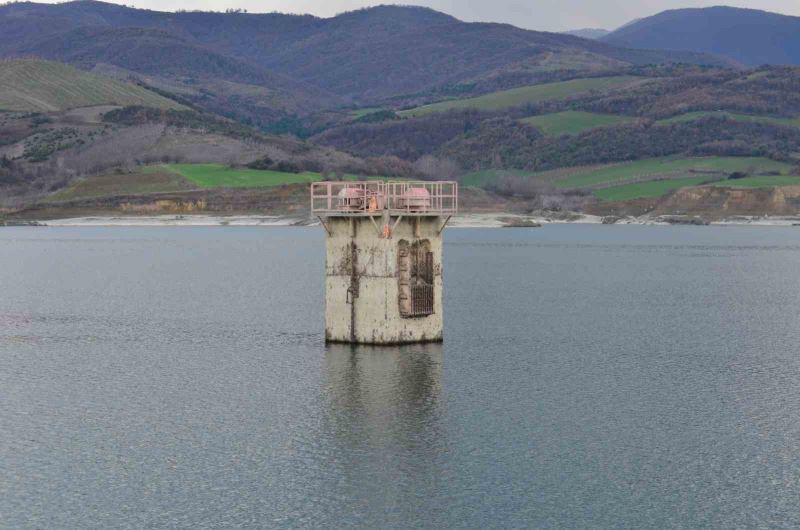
[{"x": 385, "y": 413}]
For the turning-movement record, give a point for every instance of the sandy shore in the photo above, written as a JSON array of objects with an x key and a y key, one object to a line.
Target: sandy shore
[
  {"x": 180, "y": 220},
  {"x": 476, "y": 220},
  {"x": 498, "y": 220}
]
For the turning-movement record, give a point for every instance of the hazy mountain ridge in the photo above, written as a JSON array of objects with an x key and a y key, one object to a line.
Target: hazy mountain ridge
[
  {"x": 588, "y": 33},
  {"x": 749, "y": 36}
]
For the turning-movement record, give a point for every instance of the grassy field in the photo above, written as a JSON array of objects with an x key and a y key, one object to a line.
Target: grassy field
[
  {"x": 691, "y": 116},
  {"x": 179, "y": 177},
  {"x": 660, "y": 175},
  {"x": 644, "y": 190},
  {"x": 657, "y": 188},
  {"x": 43, "y": 86},
  {"x": 520, "y": 96},
  {"x": 360, "y": 113},
  {"x": 219, "y": 176},
  {"x": 148, "y": 180},
  {"x": 656, "y": 167},
  {"x": 573, "y": 122},
  {"x": 481, "y": 178}
]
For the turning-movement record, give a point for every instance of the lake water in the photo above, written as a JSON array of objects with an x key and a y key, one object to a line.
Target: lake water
[{"x": 591, "y": 376}]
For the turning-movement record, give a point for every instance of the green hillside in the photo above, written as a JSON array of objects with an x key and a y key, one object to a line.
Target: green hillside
[
  {"x": 646, "y": 190},
  {"x": 573, "y": 122},
  {"x": 671, "y": 174},
  {"x": 149, "y": 179},
  {"x": 652, "y": 177},
  {"x": 657, "y": 188},
  {"x": 661, "y": 167},
  {"x": 486, "y": 177},
  {"x": 652, "y": 169},
  {"x": 43, "y": 86},
  {"x": 219, "y": 176},
  {"x": 520, "y": 96}
]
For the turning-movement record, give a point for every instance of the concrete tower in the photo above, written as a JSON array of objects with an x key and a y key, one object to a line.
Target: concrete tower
[{"x": 383, "y": 266}]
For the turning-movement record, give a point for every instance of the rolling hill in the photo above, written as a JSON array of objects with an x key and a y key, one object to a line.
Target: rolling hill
[
  {"x": 220, "y": 83},
  {"x": 44, "y": 86},
  {"x": 188, "y": 99},
  {"x": 378, "y": 52},
  {"x": 60, "y": 126},
  {"x": 749, "y": 36},
  {"x": 683, "y": 112}
]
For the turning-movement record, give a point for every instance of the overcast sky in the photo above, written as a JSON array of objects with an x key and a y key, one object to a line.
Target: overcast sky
[{"x": 547, "y": 15}]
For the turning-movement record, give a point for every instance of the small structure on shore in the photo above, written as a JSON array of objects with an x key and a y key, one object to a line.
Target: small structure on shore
[{"x": 383, "y": 265}]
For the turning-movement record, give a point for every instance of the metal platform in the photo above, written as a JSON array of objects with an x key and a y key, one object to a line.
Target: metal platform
[{"x": 375, "y": 197}]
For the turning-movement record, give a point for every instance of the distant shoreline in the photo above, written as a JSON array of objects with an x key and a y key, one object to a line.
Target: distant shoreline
[{"x": 470, "y": 220}]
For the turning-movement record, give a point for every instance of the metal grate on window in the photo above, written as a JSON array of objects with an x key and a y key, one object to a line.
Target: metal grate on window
[
  {"x": 415, "y": 279},
  {"x": 421, "y": 300}
]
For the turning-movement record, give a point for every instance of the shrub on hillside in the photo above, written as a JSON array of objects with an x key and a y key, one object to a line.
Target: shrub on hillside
[
  {"x": 377, "y": 117},
  {"x": 285, "y": 166},
  {"x": 406, "y": 139},
  {"x": 137, "y": 115},
  {"x": 541, "y": 196}
]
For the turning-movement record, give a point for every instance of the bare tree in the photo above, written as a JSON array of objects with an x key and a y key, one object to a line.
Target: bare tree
[{"x": 431, "y": 167}]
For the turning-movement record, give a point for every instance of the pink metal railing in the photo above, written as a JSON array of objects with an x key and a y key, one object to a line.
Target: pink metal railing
[
  {"x": 342, "y": 198},
  {"x": 374, "y": 197},
  {"x": 440, "y": 197}
]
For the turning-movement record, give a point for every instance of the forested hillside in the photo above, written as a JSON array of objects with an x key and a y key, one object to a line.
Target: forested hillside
[
  {"x": 641, "y": 130},
  {"x": 254, "y": 101},
  {"x": 377, "y": 53}
]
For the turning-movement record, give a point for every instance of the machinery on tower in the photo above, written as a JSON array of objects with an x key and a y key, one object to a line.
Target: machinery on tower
[{"x": 383, "y": 266}]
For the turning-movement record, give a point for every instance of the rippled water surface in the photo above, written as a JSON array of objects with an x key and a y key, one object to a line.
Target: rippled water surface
[{"x": 591, "y": 376}]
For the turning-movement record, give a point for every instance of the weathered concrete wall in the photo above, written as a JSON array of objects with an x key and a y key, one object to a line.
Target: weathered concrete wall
[{"x": 359, "y": 260}]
